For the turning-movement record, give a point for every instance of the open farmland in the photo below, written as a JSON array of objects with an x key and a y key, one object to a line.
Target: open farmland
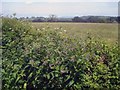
[
  {"x": 104, "y": 31},
  {"x": 59, "y": 45}
]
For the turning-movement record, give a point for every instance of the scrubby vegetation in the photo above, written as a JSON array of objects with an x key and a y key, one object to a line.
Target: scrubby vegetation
[{"x": 46, "y": 59}]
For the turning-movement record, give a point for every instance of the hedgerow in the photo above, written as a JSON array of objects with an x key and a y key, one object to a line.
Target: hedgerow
[{"x": 46, "y": 59}]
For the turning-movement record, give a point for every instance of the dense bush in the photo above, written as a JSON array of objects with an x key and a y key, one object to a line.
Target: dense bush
[{"x": 49, "y": 59}]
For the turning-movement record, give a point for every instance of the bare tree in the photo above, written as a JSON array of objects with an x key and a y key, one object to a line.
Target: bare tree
[{"x": 52, "y": 18}]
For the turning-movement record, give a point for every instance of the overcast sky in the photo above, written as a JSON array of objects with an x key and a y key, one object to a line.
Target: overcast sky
[
  {"x": 60, "y": 7},
  {"x": 60, "y": 0}
]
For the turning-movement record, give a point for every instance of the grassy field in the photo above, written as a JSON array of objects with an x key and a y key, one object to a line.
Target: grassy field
[{"x": 105, "y": 31}]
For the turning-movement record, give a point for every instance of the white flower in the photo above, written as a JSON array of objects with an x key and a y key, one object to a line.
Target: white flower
[
  {"x": 43, "y": 28},
  {"x": 38, "y": 29},
  {"x": 10, "y": 28},
  {"x": 60, "y": 32},
  {"x": 64, "y": 30}
]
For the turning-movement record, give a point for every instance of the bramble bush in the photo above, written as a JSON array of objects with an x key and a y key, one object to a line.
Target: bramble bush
[{"x": 46, "y": 59}]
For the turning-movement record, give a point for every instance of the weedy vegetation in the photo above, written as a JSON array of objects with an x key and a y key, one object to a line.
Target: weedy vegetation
[
  {"x": 46, "y": 58},
  {"x": 107, "y": 32}
]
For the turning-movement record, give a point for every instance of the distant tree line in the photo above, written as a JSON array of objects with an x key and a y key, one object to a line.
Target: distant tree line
[
  {"x": 96, "y": 19},
  {"x": 89, "y": 19}
]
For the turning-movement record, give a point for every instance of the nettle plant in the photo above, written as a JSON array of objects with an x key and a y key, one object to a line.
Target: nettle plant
[{"x": 46, "y": 59}]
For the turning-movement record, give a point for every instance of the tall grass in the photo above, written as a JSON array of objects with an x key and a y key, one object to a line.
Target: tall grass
[{"x": 105, "y": 31}]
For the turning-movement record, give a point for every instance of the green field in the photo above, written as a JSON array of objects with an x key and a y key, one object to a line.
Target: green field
[{"x": 105, "y": 31}]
